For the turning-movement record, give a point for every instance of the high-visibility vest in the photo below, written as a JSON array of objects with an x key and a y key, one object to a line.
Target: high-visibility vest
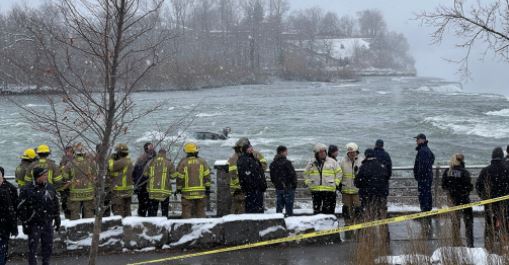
[
  {"x": 193, "y": 178},
  {"x": 81, "y": 174},
  {"x": 324, "y": 178},
  {"x": 160, "y": 173}
]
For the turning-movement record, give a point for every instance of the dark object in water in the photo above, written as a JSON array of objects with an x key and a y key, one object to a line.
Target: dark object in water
[{"x": 213, "y": 136}]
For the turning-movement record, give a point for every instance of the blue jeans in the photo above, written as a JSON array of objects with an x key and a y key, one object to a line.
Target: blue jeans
[
  {"x": 4, "y": 249},
  {"x": 285, "y": 200},
  {"x": 425, "y": 197}
]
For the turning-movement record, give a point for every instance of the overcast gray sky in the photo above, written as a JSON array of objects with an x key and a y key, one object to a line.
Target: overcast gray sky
[{"x": 489, "y": 75}]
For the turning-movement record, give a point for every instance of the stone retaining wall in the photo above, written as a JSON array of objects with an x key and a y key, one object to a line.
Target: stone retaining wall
[{"x": 138, "y": 233}]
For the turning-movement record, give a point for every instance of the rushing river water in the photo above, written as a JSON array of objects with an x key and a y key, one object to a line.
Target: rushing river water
[{"x": 300, "y": 114}]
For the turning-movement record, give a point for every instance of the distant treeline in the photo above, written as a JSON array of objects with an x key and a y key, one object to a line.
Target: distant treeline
[{"x": 213, "y": 43}]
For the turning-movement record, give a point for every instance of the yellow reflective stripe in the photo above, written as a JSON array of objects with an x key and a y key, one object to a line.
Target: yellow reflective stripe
[
  {"x": 124, "y": 177},
  {"x": 232, "y": 168},
  {"x": 165, "y": 176},
  {"x": 21, "y": 182},
  {"x": 323, "y": 188},
  {"x": 111, "y": 162},
  {"x": 193, "y": 189},
  {"x": 194, "y": 197}
]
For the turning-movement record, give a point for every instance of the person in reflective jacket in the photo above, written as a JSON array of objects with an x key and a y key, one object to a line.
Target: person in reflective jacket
[{"x": 322, "y": 176}]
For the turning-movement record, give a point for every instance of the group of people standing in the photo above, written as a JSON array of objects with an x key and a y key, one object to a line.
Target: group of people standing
[
  {"x": 43, "y": 185},
  {"x": 362, "y": 181}
]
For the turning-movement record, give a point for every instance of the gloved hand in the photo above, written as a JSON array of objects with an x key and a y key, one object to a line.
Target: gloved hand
[
  {"x": 26, "y": 229},
  {"x": 56, "y": 224}
]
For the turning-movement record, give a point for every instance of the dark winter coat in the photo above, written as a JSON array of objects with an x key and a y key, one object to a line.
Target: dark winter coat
[
  {"x": 493, "y": 181},
  {"x": 38, "y": 204},
  {"x": 423, "y": 167},
  {"x": 457, "y": 182},
  {"x": 372, "y": 179},
  {"x": 251, "y": 174},
  {"x": 383, "y": 157},
  {"x": 282, "y": 174},
  {"x": 140, "y": 180},
  {"x": 8, "y": 203}
]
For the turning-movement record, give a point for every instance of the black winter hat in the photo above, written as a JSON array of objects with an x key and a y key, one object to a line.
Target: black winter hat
[
  {"x": 498, "y": 154},
  {"x": 332, "y": 149},
  {"x": 369, "y": 153},
  {"x": 379, "y": 143},
  {"x": 39, "y": 171},
  {"x": 2, "y": 170}
]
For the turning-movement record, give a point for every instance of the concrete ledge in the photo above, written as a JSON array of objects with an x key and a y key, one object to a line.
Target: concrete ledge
[{"x": 138, "y": 233}]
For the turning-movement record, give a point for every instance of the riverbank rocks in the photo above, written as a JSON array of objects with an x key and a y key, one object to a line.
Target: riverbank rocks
[
  {"x": 196, "y": 233},
  {"x": 141, "y": 233},
  {"x": 144, "y": 232},
  {"x": 315, "y": 223},
  {"x": 251, "y": 228}
]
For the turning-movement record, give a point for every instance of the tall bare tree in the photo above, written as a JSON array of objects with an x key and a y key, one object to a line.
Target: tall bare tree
[
  {"x": 100, "y": 63},
  {"x": 472, "y": 22}
]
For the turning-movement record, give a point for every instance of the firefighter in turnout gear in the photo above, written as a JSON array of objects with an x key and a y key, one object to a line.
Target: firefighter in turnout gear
[
  {"x": 28, "y": 157},
  {"x": 82, "y": 174},
  {"x": 350, "y": 165},
  {"x": 193, "y": 182},
  {"x": 120, "y": 167},
  {"x": 67, "y": 158},
  {"x": 238, "y": 197},
  {"x": 160, "y": 172},
  {"x": 322, "y": 177},
  {"x": 54, "y": 176}
]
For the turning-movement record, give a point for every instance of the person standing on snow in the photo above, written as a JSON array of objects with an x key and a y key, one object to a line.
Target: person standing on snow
[
  {"x": 120, "y": 168},
  {"x": 140, "y": 179},
  {"x": 322, "y": 176},
  {"x": 39, "y": 212},
  {"x": 284, "y": 178},
  {"x": 493, "y": 182},
  {"x": 372, "y": 180},
  {"x": 350, "y": 165},
  {"x": 251, "y": 179},
  {"x": 456, "y": 181},
  {"x": 160, "y": 172},
  {"x": 382, "y": 156},
  {"x": 8, "y": 218},
  {"x": 193, "y": 182},
  {"x": 423, "y": 174},
  {"x": 81, "y": 172},
  {"x": 238, "y": 197}
]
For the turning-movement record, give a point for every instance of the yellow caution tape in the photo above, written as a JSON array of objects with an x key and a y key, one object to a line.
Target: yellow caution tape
[{"x": 392, "y": 220}]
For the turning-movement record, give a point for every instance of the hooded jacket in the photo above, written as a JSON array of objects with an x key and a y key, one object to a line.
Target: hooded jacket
[
  {"x": 424, "y": 160},
  {"x": 282, "y": 173},
  {"x": 383, "y": 157},
  {"x": 493, "y": 180},
  {"x": 372, "y": 179},
  {"x": 251, "y": 174}
]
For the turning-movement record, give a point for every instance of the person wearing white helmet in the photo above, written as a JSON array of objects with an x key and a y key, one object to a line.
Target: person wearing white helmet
[
  {"x": 322, "y": 176},
  {"x": 350, "y": 194}
]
